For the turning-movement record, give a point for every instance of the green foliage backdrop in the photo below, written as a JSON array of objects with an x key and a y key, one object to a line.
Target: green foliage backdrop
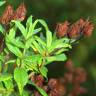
[{"x": 54, "y": 11}]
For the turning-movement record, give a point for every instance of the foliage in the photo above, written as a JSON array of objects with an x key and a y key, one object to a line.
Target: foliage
[
  {"x": 27, "y": 52},
  {"x": 37, "y": 56}
]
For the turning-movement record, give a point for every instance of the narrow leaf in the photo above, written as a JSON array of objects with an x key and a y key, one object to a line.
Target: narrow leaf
[
  {"x": 2, "y": 3},
  {"x": 5, "y": 77},
  {"x": 44, "y": 71},
  {"x": 14, "y": 50},
  {"x": 1, "y": 29},
  {"x": 49, "y": 38},
  {"x": 21, "y": 28}
]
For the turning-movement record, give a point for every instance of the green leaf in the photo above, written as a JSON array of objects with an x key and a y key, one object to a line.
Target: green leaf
[
  {"x": 5, "y": 77},
  {"x": 42, "y": 92},
  {"x": 0, "y": 66},
  {"x": 18, "y": 43},
  {"x": 12, "y": 33},
  {"x": 60, "y": 57},
  {"x": 15, "y": 42},
  {"x": 38, "y": 47},
  {"x": 2, "y": 3},
  {"x": 43, "y": 71},
  {"x": 20, "y": 27},
  {"x": 18, "y": 62},
  {"x": 1, "y": 29},
  {"x": 60, "y": 51},
  {"x": 29, "y": 21},
  {"x": 33, "y": 58},
  {"x": 10, "y": 61},
  {"x": 14, "y": 50},
  {"x": 37, "y": 30},
  {"x": 1, "y": 57},
  {"x": 59, "y": 43},
  {"x": 44, "y": 24},
  {"x": 9, "y": 84},
  {"x": 49, "y": 38},
  {"x": 21, "y": 78},
  {"x": 29, "y": 43},
  {"x": 31, "y": 29},
  {"x": 40, "y": 41},
  {"x": 32, "y": 62}
]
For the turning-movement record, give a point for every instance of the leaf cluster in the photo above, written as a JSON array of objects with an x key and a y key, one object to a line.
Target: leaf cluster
[{"x": 28, "y": 49}]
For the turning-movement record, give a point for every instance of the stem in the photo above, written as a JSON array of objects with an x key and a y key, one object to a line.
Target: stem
[{"x": 24, "y": 51}]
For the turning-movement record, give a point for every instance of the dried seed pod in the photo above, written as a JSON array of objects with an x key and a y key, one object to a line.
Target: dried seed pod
[
  {"x": 88, "y": 28},
  {"x": 52, "y": 83},
  {"x": 77, "y": 90},
  {"x": 56, "y": 88},
  {"x": 7, "y": 15},
  {"x": 69, "y": 65},
  {"x": 80, "y": 75},
  {"x": 39, "y": 80},
  {"x": 68, "y": 77},
  {"x": 20, "y": 13},
  {"x": 61, "y": 29},
  {"x": 75, "y": 29}
]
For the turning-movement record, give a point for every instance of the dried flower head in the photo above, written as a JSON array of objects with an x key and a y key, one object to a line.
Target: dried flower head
[
  {"x": 20, "y": 13},
  {"x": 69, "y": 65},
  {"x": 75, "y": 29},
  {"x": 88, "y": 28},
  {"x": 56, "y": 88},
  {"x": 7, "y": 15},
  {"x": 61, "y": 29},
  {"x": 77, "y": 90},
  {"x": 80, "y": 75}
]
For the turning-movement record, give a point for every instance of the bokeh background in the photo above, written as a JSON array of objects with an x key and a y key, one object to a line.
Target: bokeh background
[{"x": 53, "y": 11}]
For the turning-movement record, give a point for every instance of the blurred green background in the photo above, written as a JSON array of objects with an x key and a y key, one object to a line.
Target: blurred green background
[{"x": 53, "y": 11}]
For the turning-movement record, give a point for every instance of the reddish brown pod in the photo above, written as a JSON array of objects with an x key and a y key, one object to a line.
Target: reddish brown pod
[
  {"x": 20, "y": 13},
  {"x": 88, "y": 28},
  {"x": 7, "y": 15},
  {"x": 80, "y": 76},
  {"x": 56, "y": 88},
  {"x": 76, "y": 30},
  {"x": 61, "y": 29}
]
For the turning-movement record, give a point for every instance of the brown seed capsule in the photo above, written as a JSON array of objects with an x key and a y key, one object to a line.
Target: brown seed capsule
[
  {"x": 7, "y": 15},
  {"x": 75, "y": 29},
  {"x": 61, "y": 29},
  {"x": 88, "y": 28},
  {"x": 79, "y": 75},
  {"x": 69, "y": 65},
  {"x": 20, "y": 13},
  {"x": 56, "y": 88}
]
